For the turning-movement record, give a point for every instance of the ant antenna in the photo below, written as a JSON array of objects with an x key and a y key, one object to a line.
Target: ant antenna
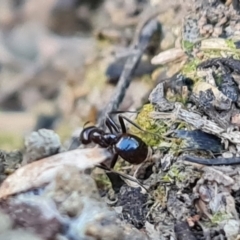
[
  {"x": 111, "y": 125},
  {"x": 86, "y": 123}
]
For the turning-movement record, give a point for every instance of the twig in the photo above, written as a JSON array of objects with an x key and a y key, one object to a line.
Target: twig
[
  {"x": 198, "y": 122},
  {"x": 122, "y": 85},
  {"x": 130, "y": 66},
  {"x": 213, "y": 162}
]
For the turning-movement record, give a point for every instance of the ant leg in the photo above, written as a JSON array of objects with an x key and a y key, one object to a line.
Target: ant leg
[
  {"x": 111, "y": 125},
  {"x": 114, "y": 160},
  {"x": 115, "y": 180},
  {"x": 109, "y": 164},
  {"x": 121, "y": 118},
  {"x": 123, "y": 127},
  {"x": 118, "y": 112}
]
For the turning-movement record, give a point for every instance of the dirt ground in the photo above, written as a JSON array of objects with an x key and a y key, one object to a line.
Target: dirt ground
[{"x": 170, "y": 70}]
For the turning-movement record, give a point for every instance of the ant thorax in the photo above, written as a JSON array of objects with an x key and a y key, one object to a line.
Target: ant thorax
[{"x": 110, "y": 138}]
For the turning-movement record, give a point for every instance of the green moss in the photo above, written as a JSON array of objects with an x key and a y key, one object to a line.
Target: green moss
[
  {"x": 211, "y": 54},
  {"x": 145, "y": 122},
  {"x": 102, "y": 181},
  {"x": 190, "y": 68},
  {"x": 120, "y": 164},
  {"x": 174, "y": 174},
  {"x": 235, "y": 53},
  {"x": 187, "y": 46},
  {"x": 165, "y": 145},
  {"x": 230, "y": 43},
  {"x": 177, "y": 98},
  {"x": 219, "y": 217},
  {"x": 143, "y": 119},
  {"x": 155, "y": 131},
  {"x": 160, "y": 195}
]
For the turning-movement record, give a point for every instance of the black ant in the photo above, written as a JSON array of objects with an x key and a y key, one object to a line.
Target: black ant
[{"x": 128, "y": 146}]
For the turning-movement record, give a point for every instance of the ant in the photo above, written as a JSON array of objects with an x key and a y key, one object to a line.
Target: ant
[{"x": 128, "y": 146}]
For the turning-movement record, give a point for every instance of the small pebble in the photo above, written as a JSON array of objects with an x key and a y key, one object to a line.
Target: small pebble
[
  {"x": 222, "y": 21},
  {"x": 237, "y": 27},
  {"x": 217, "y": 31},
  {"x": 19, "y": 235},
  {"x": 5, "y": 222},
  {"x": 40, "y": 144},
  {"x": 208, "y": 28},
  {"x": 231, "y": 229},
  {"x": 202, "y": 21},
  {"x": 227, "y": 155}
]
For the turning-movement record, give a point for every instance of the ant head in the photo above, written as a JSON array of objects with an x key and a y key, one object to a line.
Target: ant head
[
  {"x": 85, "y": 135},
  {"x": 93, "y": 134}
]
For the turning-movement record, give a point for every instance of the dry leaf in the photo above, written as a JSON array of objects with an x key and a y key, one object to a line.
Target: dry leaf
[
  {"x": 39, "y": 173},
  {"x": 236, "y": 119},
  {"x": 168, "y": 56},
  {"x": 212, "y": 174},
  {"x": 192, "y": 220}
]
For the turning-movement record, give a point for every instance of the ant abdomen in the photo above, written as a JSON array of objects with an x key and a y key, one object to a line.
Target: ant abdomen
[{"x": 132, "y": 149}]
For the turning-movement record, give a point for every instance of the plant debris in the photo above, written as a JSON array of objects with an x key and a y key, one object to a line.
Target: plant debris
[{"x": 160, "y": 83}]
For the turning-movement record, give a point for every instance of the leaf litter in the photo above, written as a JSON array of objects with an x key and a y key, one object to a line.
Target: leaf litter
[{"x": 173, "y": 195}]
